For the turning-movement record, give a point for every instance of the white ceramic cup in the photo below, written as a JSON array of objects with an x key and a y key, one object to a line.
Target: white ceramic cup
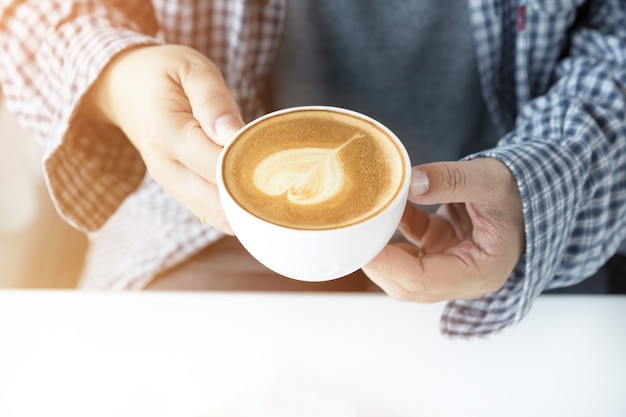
[{"x": 315, "y": 255}]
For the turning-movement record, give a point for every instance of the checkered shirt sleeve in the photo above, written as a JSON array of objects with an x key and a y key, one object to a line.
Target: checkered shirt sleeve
[
  {"x": 50, "y": 53},
  {"x": 567, "y": 151},
  {"x": 150, "y": 232}
]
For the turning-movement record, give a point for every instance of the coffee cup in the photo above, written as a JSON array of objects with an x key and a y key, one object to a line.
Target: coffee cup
[{"x": 314, "y": 192}]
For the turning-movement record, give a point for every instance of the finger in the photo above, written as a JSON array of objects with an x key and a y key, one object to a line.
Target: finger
[
  {"x": 195, "y": 150},
  {"x": 437, "y": 274},
  {"x": 399, "y": 293},
  {"x": 455, "y": 219},
  {"x": 412, "y": 250},
  {"x": 453, "y": 182},
  {"x": 432, "y": 233},
  {"x": 395, "y": 290},
  {"x": 414, "y": 224},
  {"x": 212, "y": 103},
  {"x": 197, "y": 194}
]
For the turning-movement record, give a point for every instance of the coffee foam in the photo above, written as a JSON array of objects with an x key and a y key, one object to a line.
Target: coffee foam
[
  {"x": 305, "y": 175},
  {"x": 313, "y": 169}
]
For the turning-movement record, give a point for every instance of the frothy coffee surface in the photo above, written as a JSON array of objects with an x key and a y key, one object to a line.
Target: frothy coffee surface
[{"x": 313, "y": 169}]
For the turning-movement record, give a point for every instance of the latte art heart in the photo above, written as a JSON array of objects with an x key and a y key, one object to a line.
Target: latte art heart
[
  {"x": 305, "y": 175},
  {"x": 313, "y": 169}
]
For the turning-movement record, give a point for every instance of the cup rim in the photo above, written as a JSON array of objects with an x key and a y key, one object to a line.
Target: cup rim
[{"x": 402, "y": 190}]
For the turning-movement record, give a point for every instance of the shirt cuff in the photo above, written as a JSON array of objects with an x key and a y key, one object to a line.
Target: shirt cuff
[
  {"x": 547, "y": 195},
  {"x": 91, "y": 168}
]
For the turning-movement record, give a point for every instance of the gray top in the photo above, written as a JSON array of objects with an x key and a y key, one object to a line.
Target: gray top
[{"x": 409, "y": 64}]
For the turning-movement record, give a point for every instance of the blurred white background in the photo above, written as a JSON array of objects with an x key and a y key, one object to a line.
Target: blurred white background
[{"x": 37, "y": 248}]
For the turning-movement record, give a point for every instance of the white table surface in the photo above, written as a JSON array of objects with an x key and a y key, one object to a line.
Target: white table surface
[{"x": 65, "y": 353}]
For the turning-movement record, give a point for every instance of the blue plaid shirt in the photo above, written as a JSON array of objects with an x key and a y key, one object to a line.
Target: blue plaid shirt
[
  {"x": 554, "y": 78},
  {"x": 553, "y": 75}
]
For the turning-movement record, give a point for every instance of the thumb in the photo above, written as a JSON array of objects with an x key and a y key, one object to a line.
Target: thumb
[
  {"x": 212, "y": 103},
  {"x": 457, "y": 182}
]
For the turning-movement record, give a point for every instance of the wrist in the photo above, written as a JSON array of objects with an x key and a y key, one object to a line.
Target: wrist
[{"x": 100, "y": 103}]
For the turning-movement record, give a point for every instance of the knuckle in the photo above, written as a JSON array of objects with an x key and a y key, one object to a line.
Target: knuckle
[
  {"x": 454, "y": 179},
  {"x": 218, "y": 92},
  {"x": 197, "y": 64},
  {"x": 189, "y": 130},
  {"x": 181, "y": 145}
]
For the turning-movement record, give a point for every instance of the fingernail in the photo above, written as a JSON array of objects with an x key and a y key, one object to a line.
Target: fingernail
[
  {"x": 419, "y": 182},
  {"x": 225, "y": 127}
]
